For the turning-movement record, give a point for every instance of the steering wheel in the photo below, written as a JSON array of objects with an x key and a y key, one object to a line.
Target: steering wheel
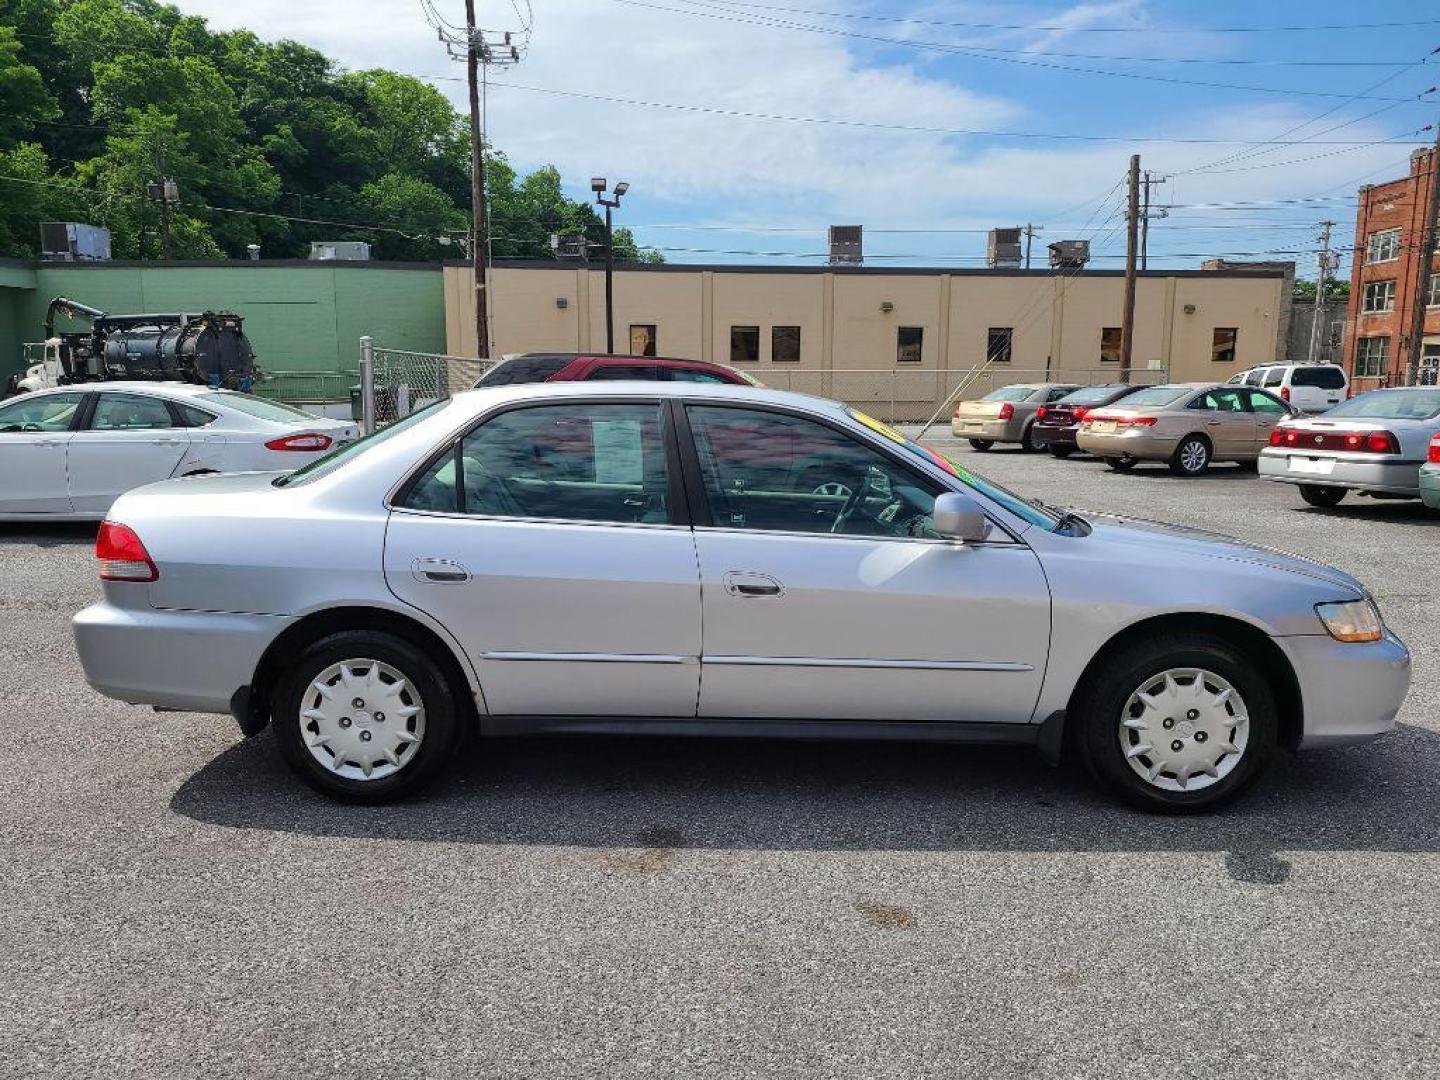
[{"x": 852, "y": 504}]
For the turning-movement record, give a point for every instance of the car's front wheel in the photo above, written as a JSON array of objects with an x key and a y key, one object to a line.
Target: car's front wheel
[
  {"x": 1177, "y": 723},
  {"x": 1316, "y": 495},
  {"x": 364, "y": 716}
]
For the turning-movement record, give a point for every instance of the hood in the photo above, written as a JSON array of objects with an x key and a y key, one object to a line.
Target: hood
[{"x": 1198, "y": 543}]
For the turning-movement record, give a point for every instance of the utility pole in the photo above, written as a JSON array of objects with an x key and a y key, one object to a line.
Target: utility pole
[
  {"x": 1145, "y": 225},
  {"x": 598, "y": 185},
  {"x": 1320, "y": 273},
  {"x": 1127, "y": 322},
  {"x": 1423, "y": 274},
  {"x": 1029, "y": 236}
]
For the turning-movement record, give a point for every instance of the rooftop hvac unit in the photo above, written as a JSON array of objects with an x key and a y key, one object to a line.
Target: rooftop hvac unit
[
  {"x": 847, "y": 245},
  {"x": 1002, "y": 252},
  {"x": 339, "y": 250},
  {"x": 1069, "y": 254},
  {"x": 72, "y": 241}
]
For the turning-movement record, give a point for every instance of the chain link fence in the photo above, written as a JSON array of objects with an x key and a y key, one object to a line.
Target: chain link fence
[{"x": 396, "y": 382}]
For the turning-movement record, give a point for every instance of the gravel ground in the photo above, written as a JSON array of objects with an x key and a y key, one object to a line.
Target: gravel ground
[{"x": 175, "y": 905}]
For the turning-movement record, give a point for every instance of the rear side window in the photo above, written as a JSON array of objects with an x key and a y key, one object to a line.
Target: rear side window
[
  {"x": 1326, "y": 378},
  {"x": 623, "y": 372},
  {"x": 1274, "y": 377},
  {"x": 194, "y": 417},
  {"x": 1254, "y": 378},
  {"x": 523, "y": 369}
]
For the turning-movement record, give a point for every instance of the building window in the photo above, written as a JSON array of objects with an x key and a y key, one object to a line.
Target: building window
[
  {"x": 1433, "y": 300},
  {"x": 997, "y": 344},
  {"x": 642, "y": 339},
  {"x": 1379, "y": 296},
  {"x": 1110, "y": 345},
  {"x": 1222, "y": 344},
  {"x": 909, "y": 344},
  {"x": 1372, "y": 357},
  {"x": 1383, "y": 246},
  {"x": 785, "y": 344},
  {"x": 744, "y": 344}
]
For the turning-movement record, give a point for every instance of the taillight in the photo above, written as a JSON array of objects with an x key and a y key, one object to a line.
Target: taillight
[
  {"x": 310, "y": 440},
  {"x": 1382, "y": 442},
  {"x": 1142, "y": 421},
  {"x": 1434, "y": 455},
  {"x": 1284, "y": 393},
  {"x": 1080, "y": 412},
  {"x": 1277, "y": 437},
  {"x": 1007, "y": 411},
  {"x": 1040, "y": 412},
  {"x": 957, "y": 412},
  {"x": 122, "y": 556}
]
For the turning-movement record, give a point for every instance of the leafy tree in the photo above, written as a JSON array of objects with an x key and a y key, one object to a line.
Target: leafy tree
[
  {"x": 32, "y": 194},
  {"x": 23, "y": 97},
  {"x": 1334, "y": 289}
]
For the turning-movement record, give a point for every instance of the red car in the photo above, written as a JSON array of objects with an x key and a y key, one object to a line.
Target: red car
[{"x": 579, "y": 367}]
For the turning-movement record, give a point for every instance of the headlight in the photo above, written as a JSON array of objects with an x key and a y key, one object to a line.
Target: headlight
[{"x": 1356, "y": 620}]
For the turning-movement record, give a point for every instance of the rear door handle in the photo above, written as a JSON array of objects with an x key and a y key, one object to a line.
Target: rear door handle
[
  {"x": 748, "y": 583},
  {"x": 438, "y": 571},
  {"x": 1212, "y": 423}
]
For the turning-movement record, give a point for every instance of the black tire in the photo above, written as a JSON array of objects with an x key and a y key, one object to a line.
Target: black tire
[
  {"x": 1061, "y": 451},
  {"x": 437, "y": 696},
  {"x": 982, "y": 444},
  {"x": 1121, "y": 464},
  {"x": 1101, "y": 702},
  {"x": 1322, "y": 496},
  {"x": 1028, "y": 445},
  {"x": 1191, "y": 456}
]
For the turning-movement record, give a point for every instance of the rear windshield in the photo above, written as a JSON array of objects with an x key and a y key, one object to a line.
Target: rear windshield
[
  {"x": 258, "y": 407},
  {"x": 1156, "y": 395},
  {"x": 1326, "y": 378},
  {"x": 1399, "y": 404},
  {"x": 1009, "y": 393},
  {"x": 348, "y": 453},
  {"x": 1088, "y": 395},
  {"x": 523, "y": 369}
]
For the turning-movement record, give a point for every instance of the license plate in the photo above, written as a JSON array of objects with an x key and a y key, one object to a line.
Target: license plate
[
  {"x": 973, "y": 427},
  {"x": 1312, "y": 466},
  {"x": 1103, "y": 427}
]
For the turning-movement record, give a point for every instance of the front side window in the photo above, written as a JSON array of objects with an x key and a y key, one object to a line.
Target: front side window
[
  {"x": 49, "y": 412},
  {"x": 770, "y": 471},
  {"x": 1379, "y": 296},
  {"x": 997, "y": 344},
  {"x": 642, "y": 339},
  {"x": 129, "y": 412},
  {"x": 1383, "y": 246},
  {"x": 1222, "y": 344},
  {"x": 785, "y": 344},
  {"x": 1110, "y": 338},
  {"x": 909, "y": 344},
  {"x": 1372, "y": 357},
  {"x": 574, "y": 462},
  {"x": 744, "y": 344}
]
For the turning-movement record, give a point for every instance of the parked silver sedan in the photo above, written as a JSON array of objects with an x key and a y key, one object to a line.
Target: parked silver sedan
[
  {"x": 1374, "y": 444},
  {"x": 544, "y": 557},
  {"x": 1006, "y": 415}
]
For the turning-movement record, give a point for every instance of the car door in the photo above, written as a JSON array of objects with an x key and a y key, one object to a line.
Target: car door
[
  {"x": 834, "y": 600},
  {"x": 35, "y": 433},
  {"x": 1227, "y": 422},
  {"x": 549, "y": 541},
  {"x": 1268, "y": 411},
  {"x": 130, "y": 439}
]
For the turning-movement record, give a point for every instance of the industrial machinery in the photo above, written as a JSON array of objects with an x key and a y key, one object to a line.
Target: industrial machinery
[{"x": 209, "y": 348}]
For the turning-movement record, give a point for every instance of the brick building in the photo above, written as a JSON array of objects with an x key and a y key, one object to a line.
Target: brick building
[{"x": 1384, "y": 276}]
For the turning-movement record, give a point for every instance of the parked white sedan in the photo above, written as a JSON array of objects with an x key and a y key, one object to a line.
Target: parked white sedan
[{"x": 68, "y": 453}]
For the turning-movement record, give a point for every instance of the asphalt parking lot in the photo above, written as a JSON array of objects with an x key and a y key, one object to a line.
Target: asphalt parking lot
[{"x": 176, "y": 905}]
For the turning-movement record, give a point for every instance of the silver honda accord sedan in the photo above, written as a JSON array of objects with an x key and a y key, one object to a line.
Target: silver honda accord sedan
[{"x": 679, "y": 558}]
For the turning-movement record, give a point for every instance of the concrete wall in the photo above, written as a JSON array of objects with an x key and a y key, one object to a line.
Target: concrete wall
[{"x": 300, "y": 316}]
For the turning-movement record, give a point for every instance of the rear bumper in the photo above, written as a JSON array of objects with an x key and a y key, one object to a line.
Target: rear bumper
[
  {"x": 190, "y": 660},
  {"x": 964, "y": 427},
  {"x": 1349, "y": 692},
  {"x": 1131, "y": 443},
  {"x": 1430, "y": 485},
  {"x": 1399, "y": 478},
  {"x": 1054, "y": 435}
]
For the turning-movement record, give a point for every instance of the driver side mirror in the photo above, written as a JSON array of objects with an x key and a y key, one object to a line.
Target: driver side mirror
[{"x": 959, "y": 517}]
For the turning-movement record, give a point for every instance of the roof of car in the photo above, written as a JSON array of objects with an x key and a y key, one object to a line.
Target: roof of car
[
  {"x": 179, "y": 389},
  {"x": 486, "y": 395}
]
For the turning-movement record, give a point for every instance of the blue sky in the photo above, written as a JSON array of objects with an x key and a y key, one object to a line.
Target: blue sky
[{"x": 711, "y": 186}]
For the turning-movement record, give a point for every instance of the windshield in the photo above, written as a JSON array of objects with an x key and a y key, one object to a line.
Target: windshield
[
  {"x": 1088, "y": 395},
  {"x": 346, "y": 454},
  {"x": 258, "y": 407},
  {"x": 1406, "y": 404},
  {"x": 1155, "y": 395},
  {"x": 1009, "y": 393}
]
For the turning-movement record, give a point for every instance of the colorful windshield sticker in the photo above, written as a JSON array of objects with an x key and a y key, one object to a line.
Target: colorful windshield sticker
[{"x": 879, "y": 428}]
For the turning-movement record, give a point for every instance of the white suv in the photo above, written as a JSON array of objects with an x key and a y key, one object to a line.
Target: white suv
[{"x": 1311, "y": 388}]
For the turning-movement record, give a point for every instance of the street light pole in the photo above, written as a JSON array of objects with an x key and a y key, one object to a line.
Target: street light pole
[{"x": 598, "y": 185}]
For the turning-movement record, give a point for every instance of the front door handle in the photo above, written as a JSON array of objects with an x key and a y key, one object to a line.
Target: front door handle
[
  {"x": 168, "y": 442},
  {"x": 438, "y": 571},
  {"x": 748, "y": 583},
  {"x": 1212, "y": 423}
]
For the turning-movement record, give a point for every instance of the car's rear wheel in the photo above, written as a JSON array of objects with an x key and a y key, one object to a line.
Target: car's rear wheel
[
  {"x": 1027, "y": 440},
  {"x": 1061, "y": 451},
  {"x": 1191, "y": 457},
  {"x": 1177, "y": 723},
  {"x": 1121, "y": 464},
  {"x": 982, "y": 444},
  {"x": 1316, "y": 495},
  {"x": 364, "y": 716}
]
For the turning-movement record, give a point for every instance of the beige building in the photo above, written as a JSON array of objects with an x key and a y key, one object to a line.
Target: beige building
[{"x": 896, "y": 337}]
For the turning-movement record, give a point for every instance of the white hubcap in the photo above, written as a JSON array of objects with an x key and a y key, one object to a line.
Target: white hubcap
[
  {"x": 1184, "y": 729},
  {"x": 362, "y": 719}
]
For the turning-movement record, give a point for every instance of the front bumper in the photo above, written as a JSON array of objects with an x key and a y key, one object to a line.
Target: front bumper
[
  {"x": 1349, "y": 692},
  {"x": 978, "y": 427},
  {"x": 1130, "y": 443},
  {"x": 1430, "y": 485},
  {"x": 1339, "y": 470},
  {"x": 190, "y": 660}
]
